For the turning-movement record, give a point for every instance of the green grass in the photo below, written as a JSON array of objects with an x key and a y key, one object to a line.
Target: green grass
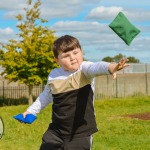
[{"x": 115, "y": 132}]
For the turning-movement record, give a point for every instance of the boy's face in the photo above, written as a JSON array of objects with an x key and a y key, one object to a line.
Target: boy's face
[{"x": 71, "y": 60}]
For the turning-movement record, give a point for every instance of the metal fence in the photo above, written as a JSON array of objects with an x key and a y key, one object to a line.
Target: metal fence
[
  {"x": 16, "y": 92},
  {"x": 15, "y": 95},
  {"x": 132, "y": 81}
]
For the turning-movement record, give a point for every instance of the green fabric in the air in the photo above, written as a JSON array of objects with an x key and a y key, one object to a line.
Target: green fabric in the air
[{"x": 123, "y": 28}]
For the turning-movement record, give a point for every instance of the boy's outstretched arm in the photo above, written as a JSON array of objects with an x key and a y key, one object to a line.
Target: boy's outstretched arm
[
  {"x": 93, "y": 69},
  {"x": 114, "y": 67},
  {"x": 41, "y": 102}
]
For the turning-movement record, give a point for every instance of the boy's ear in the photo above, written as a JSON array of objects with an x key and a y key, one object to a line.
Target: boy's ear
[{"x": 56, "y": 60}]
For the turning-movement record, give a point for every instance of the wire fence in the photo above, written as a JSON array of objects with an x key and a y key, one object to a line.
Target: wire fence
[
  {"x": 14, "y": 95},
  {"x": 132, "y": 81}
]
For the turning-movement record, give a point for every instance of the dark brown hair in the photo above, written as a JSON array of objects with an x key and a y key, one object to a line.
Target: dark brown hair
[{"x": 64, "y": 44}]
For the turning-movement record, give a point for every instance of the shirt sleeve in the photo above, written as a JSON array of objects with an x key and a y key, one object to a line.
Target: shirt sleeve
[
  {"x": 42, "y": 101},
  {"x": 93, "y": 69}
]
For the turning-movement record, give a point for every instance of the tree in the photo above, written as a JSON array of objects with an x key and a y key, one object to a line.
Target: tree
[
  {"x": 30, "y": 58},
  {"x": 133, "y": 60},
  {"x": 118, "y": 57},
  {"x": 108, "y": 59}
]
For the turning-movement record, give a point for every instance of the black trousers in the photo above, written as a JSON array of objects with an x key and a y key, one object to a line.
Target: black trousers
[{"x": 50, "y": 141}]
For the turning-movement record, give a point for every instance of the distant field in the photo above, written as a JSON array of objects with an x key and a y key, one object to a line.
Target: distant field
[{"x": 115, "y": 131}]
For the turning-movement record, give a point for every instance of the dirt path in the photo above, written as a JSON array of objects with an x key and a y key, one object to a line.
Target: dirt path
[{"x": 144, "y": 116}]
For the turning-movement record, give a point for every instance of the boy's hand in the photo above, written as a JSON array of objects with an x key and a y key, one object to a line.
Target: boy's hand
[
  {"x": 26, "y": 117},
  {"x": 114, "y": 67},
  {"x": 25, "y": 113}
]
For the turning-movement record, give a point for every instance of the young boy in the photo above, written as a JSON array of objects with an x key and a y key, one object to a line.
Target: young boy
[{"x": 71, "y": 88}]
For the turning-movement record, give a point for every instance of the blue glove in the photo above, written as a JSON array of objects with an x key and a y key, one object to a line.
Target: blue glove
[{"x": 28, "y": 119}]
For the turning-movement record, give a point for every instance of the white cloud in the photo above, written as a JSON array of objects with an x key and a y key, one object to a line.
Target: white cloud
[
  {"x": 12, "y": 14},
  {"x": 109, "y": 13},
  {"x": 78, "y": 26},
  {"x": 6, "y": 31},
  {"x": 102, "y": 12},
  {"x": 6, "y": 34},
  {"x": 12, "y": 4},
  {"x": 69, "y": 2},
  {"x": 138, "y": 15},
  {"x": 65, "y": 9},
  {"x": 49, "y": 8}
]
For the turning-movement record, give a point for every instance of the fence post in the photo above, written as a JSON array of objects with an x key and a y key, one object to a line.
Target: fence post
[
  {"x": 107, "y": 85},
  {"x": 146, "y": 79},
  {"x": 116, "y": 87}
]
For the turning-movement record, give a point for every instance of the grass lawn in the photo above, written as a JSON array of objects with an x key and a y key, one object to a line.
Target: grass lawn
[{"x": 115, "y": 132}]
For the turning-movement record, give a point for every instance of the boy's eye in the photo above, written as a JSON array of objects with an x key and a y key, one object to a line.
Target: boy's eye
[
  {"x": 65, "y": 56},
  {"x": 75, "y": 52}
]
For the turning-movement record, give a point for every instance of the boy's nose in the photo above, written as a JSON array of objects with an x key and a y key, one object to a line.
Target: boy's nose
[{"x": 71, "y": 57}]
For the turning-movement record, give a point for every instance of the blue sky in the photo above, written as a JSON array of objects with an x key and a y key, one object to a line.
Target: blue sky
[{"x": 87, "y": 20}]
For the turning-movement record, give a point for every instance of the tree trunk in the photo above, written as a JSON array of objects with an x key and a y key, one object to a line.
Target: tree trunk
[{"x": 30, "y": 98}]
